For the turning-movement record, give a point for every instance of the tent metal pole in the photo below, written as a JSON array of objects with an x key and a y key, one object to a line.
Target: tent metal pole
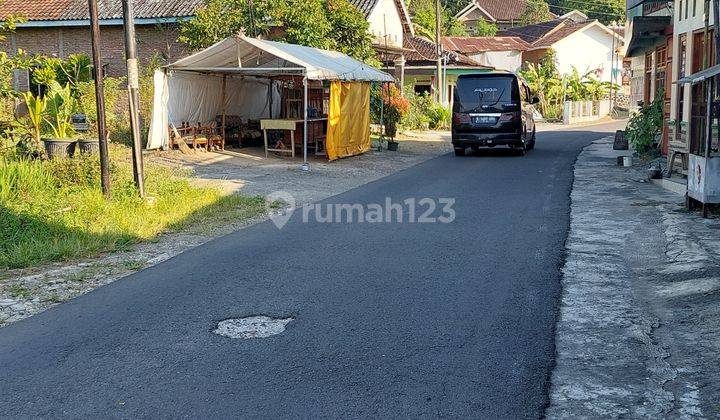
[
  {"x": 270, "y": 98},
  {"x": 224, "y": 109},
  {"x": 306, "y": 165}
]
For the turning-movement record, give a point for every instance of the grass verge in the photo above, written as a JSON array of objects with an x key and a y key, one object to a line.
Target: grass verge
[{"x": 54, "y": 210}]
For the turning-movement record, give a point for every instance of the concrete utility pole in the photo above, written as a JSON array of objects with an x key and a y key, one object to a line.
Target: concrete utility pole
[
  {"x": 100, "y": 97},
  {"x": 438, "y": 75},
  {"x": 133, "y": 82}
]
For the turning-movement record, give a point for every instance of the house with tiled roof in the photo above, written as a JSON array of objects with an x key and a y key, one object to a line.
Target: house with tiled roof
[
  {"x": 59, "y": 28},
  {"x": 502, "y": 13},
  {"x": 500, "y": 52},
  {"x": 420, "y": 66},
  {"x": 584, "y": 44}
]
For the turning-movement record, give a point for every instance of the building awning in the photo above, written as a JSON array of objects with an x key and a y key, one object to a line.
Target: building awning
[
  {"x": 700, "y": 76},
  {"x": 644, "y": 2},
  {"x": 646, "y": 32}
]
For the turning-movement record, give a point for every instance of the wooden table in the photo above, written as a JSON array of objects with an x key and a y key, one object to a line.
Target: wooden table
[{"x": 284, "y": 124}]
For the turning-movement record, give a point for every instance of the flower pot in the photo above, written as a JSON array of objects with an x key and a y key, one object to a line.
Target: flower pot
[
  {"x": 59, "y": 148},
  {"x": 89, "y": 146},
  {"x": 393, "y": 146},
  {"x": 654, "y": 173}
]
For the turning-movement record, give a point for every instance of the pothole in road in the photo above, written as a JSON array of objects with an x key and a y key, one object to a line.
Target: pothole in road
[{"x": 258, "y": 326}]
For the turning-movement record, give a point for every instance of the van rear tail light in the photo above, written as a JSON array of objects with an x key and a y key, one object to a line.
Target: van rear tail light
[
  {"x": 509, "y": 116},
  {"x": 460, "y": 118}
]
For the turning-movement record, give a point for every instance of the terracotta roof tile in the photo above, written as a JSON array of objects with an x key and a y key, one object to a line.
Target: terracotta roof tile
[
  {"x": 35, "y": 10},
  {"x": 472, "y": 45},
  {"x": 503, "y": 10}
]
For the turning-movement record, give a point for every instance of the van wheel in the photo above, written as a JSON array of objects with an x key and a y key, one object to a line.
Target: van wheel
[
  {"x": 531, "y": 145},
  {"x": 459, "y": 151}
]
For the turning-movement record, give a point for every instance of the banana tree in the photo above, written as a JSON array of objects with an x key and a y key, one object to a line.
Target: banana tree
[{"x": 36, "y": 109}]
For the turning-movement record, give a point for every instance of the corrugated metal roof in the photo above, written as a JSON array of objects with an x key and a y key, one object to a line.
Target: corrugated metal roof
[
  {"x": 471, "y": 45},
  {"x": 422, "y": 50},
  {"x": 36, "y": 10},
  {"x": 545, "y": 34}
]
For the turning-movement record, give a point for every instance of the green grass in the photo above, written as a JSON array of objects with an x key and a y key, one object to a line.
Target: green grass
[
  {"x": 19, "y": 291},
  {"x": 134, "y": 264},
  {"x": 55, "y": 211}
]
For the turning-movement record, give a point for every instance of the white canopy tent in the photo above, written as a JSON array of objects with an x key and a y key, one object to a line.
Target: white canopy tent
[{"x": 194, "y": 88}]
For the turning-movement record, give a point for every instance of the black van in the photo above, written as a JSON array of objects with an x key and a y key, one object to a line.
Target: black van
[{"x": 493, "y": 109}]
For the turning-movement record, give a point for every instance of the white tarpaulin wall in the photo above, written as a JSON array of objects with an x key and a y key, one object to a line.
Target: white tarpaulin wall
[
  {"x": 197, "y": 98},
  {"x": 191, "y": 90}
]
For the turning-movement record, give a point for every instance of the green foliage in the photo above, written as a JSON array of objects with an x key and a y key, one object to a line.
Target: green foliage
[
  {"x": 76, "y": 69},
  {"x": 537, "y": 11},
  {"x": 440, "y": 116},
  {"x": 328, "y": 24},
  {"x": 32, "y": 124},
  {"x": 61, "y": 105},
  {"x": 453, "y": 6},
  {"x": 55, "y": 210},
  {"x": 418, "y": 116},
  {"x": 423, "y": 17},
  {"x": 8, "y": 64},
  {"x": 350, "y": 30},
  {"x": 218, "y": 19},
  {"x": 485, "y": 28},
  {"x": 553, "y": 90},
  {"x": 44, "y": 76},
  {"x": 605, "y": 11},
  {"x": 396, "y": 107},
  {"x": 644, "y": 128}
]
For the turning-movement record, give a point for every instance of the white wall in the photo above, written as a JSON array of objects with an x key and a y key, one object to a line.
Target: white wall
[
  {"x": 502, "y": 60},
  {"x": 386, "y": 16},
  {"x": 588, "y": 49}
]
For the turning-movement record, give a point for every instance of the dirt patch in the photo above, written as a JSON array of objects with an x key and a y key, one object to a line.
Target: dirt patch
[{"x": 245, "y": 171}]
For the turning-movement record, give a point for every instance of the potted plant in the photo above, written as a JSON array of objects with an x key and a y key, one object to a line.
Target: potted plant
[
  {"x": 396, "y": 107},
  {"x": 61, "y": 105}
]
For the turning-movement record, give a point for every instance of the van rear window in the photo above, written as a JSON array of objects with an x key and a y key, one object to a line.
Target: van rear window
[{"x": 472, "y": 92}]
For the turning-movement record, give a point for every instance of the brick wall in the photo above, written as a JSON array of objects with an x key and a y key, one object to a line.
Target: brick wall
[{"x": 64, "y": 41}]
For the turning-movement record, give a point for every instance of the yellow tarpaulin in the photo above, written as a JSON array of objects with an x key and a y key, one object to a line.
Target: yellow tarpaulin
[{"x": 348, "y": 132}]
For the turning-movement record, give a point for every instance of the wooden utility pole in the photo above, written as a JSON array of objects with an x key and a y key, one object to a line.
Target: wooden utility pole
[
  {"x": 100, "y": 98},
  {"x": 133, "y": 82},
  {"x": 438, "y": 75}
]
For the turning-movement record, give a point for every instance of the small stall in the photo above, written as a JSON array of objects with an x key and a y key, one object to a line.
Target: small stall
[
  {"x": 278, "y": 91},
  {"x": 704, "y": 158}
]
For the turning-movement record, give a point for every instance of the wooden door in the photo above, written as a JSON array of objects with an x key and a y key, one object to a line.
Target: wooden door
[
  {"x": 697, "y": 109},
  {"x": 668, "y": 64}
]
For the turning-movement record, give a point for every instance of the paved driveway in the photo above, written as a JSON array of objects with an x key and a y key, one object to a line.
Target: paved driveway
[{"x": 390, "y": 319}]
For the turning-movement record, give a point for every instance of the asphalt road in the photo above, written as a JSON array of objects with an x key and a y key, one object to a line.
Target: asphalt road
[{"x": 391, "y": 319}]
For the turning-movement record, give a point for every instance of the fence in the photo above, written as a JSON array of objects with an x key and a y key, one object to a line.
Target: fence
[{"x": 583, "y": 111}]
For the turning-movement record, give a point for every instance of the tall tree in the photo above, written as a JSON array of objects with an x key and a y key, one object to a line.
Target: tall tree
[
  {"x": 423, "y": 12},
  {"x": 330, "y": 24},
  {"x": 537, "y": 11}
]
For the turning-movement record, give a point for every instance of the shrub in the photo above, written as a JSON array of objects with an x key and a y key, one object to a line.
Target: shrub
[
  {"x": 417, "y": 117},
  {"x": 439, "y": 116},
  {"x": 644, "y": 127},
  {"x": 53, "y": 210}
]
